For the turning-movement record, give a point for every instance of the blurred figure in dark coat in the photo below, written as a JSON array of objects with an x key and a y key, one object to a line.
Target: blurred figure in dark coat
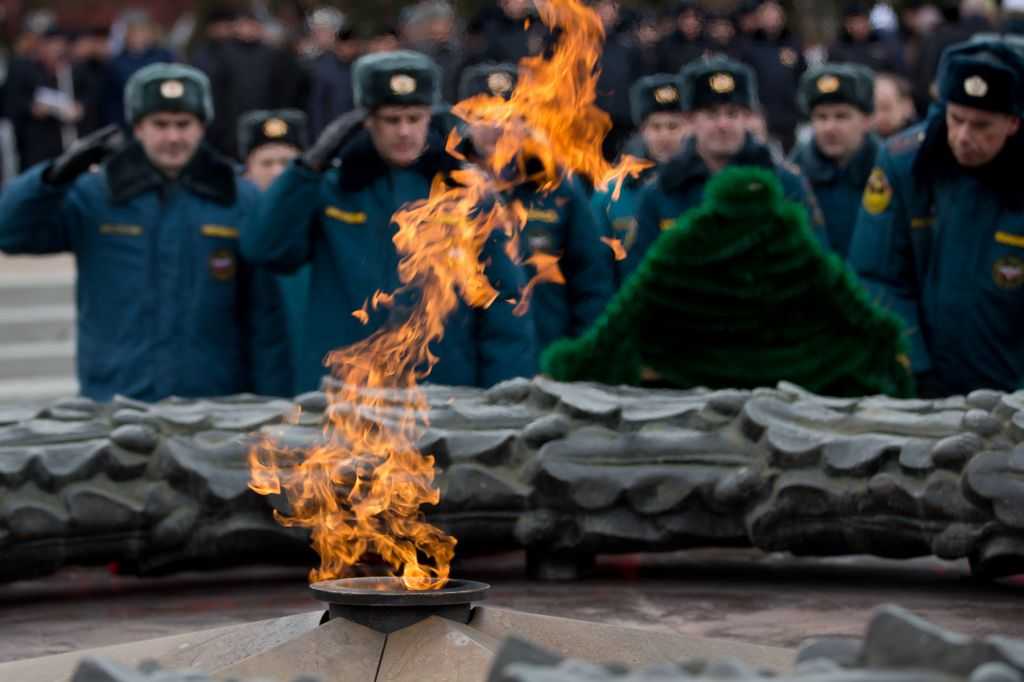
[
  {"x": 686, "y": 43},
  {"x": 859, "y": 43},
  {"x": 776, "y": 56}
]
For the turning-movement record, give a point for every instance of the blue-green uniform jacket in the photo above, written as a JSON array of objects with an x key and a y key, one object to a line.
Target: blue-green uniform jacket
[
  {"x": 944, "y": 248},
  {"x": 561, "y": 223},
  {"x": 679, "y": 186},
  {"x": 166, "y": 304},
  {"x": 616, "y": 218},
  {"x": 838, "y": 190},
  {"x": 340, "y": 222}
]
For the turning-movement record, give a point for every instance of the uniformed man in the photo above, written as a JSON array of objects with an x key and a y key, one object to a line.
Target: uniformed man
[
  {"x": 269, "y": 140},
  {"x": 719, "y": 94},
  {"x": 940, "y": 237},
  {"x": 338, "y": 217},
  {"x": 166, "y": 304},
  {"x": 658, "y": 115},
  {"x": 839, "y": 98},
  {"x": 560, "y": 224}
]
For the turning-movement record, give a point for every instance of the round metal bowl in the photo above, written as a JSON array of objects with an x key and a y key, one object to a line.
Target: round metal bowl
[{"x": 386, "y": 605}]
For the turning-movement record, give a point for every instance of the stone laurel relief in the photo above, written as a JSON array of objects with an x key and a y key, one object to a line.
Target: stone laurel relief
[{"x": 565, "y": 470}]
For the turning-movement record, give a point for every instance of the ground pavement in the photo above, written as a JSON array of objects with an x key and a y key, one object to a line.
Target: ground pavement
[{"x": 738, "y": 595}]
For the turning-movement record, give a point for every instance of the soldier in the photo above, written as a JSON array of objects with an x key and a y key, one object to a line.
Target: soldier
[
  {"x": 339, "y": 219},
  {"x": 560, "y": 223},
  {"x": 657, "y": 113},
  {"x": 268, "y": 141},
  {"x": 940, "y": 237},
  {"x": 719, "y": 94},
  {"x": 837, "y": 160},
  {"x": 166, "y": 305}
]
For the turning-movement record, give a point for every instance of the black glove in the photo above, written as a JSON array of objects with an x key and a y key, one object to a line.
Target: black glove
[
  {"x": 332, "y": 139},
  {"x": 83, "y": 153}
]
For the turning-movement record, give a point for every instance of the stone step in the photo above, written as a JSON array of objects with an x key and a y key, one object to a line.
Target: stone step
[
  {"x": 54, "y": 322},
  {"x": 29, "y": 361},
  {"x": 23, "y": 391},
  {"x": 21, "y": 292}
]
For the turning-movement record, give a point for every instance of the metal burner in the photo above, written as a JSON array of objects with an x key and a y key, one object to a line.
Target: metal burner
[{"x": 385, "y": 605}]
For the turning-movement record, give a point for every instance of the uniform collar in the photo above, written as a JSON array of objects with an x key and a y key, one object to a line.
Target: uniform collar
[
  {"x": 821, "y": 170},
  {"x": 367, "y": 164},
  {"x": 689, "y": 168},
  {"x": 208, "y": 174}
]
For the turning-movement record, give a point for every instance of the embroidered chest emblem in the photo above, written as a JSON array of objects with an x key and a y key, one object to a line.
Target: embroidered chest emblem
[{"x": 1008, "y": 272}]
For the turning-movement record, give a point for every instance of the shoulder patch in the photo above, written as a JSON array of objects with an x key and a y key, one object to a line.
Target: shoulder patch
[
  {"x": 904, "y": 142},
  {"x": 878, "y": 192}
]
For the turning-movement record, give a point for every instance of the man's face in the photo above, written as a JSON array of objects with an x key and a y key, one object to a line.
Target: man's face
[
  {"x": 893, "y": 111},
  {"x": 976, "y": 136},
  {"x": 324, "y": 37},
  {"x": 139, "y": 37},
  {"x": 858, "y": 26},
  {"x": 249, "y": 30},
  {"x": 690, "y": 23},
  {"x": 771, "y": 18},
  {"x": 267, "y": 161},
  {"x": 485, "y": 139},
  {"x": 720, "y": 130},
  {"x": 839, "y": 130},
  {"x": 170, "y": 139},
  {"x": 608, "y": 11},
  {"x": 399, "y": 132},
  {"x": 663, "y": 133},
  {"x": 515, "y": 9}
]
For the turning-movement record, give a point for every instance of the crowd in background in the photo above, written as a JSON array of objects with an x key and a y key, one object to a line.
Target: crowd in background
[{"x": 63, "y": 82}]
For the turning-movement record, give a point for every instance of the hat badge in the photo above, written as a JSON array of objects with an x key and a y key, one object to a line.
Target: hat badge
[
  {"x": 275, "y": 127},
  {"x": 722, "y": 83},
  {"x": 402, "y": 84},
  {"x": 828, "y": 84},
  {"x": 172, "y": 89},
  {"x": 975, "y": 86},
  {"x": 666, "y": 94},
  {"x": 499, "y": 83}
]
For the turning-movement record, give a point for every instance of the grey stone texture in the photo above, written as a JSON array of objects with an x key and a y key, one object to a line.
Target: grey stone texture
[
  {"x": 565, "y": 470},
  {"x": 898, "y": 647}
]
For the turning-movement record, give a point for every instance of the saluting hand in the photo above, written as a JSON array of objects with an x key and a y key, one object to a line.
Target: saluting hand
[
  {"x": 83, "y": 153},
  {"x": 332, "y": 139}
]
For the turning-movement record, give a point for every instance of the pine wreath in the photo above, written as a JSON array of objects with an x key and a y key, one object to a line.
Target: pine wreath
[{"x": 740, "y": 294}]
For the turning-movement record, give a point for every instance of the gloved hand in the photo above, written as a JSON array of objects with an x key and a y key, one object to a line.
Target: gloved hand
[
  {"x": 332, "y": 139},
  {"x": 83, "y": 153}
]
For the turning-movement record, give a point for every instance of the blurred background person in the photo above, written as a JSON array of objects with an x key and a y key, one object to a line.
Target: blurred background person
[
  {"x": 330, "y": 67},
  {"x": 41, "y": 100},
  {"x": 974, "y": 16},
  {"x": 430, "y": 27},
  {"x": 505, "y": 33},
  {"x": 138, "y": 39},
  {"x": 249, "y": 74},
  {"x": 860, "y": 43},
  {"x": 90, "y": 54},
  {"x": 686, "y": 41},
  {"x": 619, "y": 69},
  {"x": 776, "y": 56},
  {"x": 894, "y": 104}
]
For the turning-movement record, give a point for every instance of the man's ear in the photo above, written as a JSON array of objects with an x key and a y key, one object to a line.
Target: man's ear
[{"x": 1014, "y": 125}]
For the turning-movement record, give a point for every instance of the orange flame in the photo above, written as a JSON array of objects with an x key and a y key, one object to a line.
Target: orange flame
[{"x": 361, "y": 492}]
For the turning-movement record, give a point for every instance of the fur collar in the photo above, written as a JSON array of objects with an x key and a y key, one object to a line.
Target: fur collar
[
  {"x": 361, "y": 164},
  {"x": 208, "y": 174}
]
